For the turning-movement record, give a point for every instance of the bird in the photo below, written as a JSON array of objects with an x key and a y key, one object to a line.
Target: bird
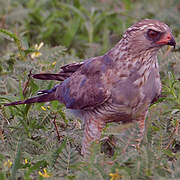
[{"x": 118, "y": 86}]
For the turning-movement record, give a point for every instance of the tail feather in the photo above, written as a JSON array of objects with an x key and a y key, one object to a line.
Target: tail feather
[
  {"x": 46, "y": 76},
  {"x": 37, "y": 99},
  {"x": 65, "y": 72}
]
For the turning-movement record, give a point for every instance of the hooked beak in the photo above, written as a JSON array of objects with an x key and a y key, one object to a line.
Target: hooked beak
[{"x": 167, "y": 39}]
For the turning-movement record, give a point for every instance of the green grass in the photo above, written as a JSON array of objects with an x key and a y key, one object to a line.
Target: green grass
[{"x": 71, "y": 32}]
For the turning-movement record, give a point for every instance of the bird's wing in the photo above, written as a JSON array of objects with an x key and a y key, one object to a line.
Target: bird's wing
[
  {"x": 71, "y": 67},
  {"x": 65, "y": 72},
  {"x": 89, "y": 86}
]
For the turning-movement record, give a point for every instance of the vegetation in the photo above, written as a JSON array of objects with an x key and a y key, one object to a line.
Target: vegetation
[{"x": 70, "y": 31}]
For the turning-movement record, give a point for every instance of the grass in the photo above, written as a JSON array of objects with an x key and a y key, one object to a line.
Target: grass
[{"x": 72, "y": 31}]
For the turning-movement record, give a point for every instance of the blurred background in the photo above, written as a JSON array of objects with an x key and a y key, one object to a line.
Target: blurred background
[{"x": 86, "y": 28}]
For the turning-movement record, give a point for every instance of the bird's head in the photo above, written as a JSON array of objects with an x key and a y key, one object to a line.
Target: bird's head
[{"x": 148, "y": 34}]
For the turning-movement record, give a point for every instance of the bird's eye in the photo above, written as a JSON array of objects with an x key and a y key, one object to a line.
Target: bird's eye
[{"x": 152, "y": 34}]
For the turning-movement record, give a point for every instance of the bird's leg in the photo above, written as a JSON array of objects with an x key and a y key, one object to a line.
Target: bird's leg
[
  {"x": 92, "y": 132},
  {"x": 141, "y": 125}
]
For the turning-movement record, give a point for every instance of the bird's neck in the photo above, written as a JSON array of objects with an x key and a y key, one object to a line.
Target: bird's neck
[
  {"x": 134, "y": 64},
  {"x": 124, "y": 55}
]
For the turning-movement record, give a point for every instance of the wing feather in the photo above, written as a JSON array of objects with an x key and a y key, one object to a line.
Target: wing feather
[
  {"x": 66, "y": 72},
  {"x": 89, "y": 86}
]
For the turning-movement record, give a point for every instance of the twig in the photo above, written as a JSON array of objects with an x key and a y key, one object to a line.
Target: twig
[
  {"x": 177, "y": 127},
  {"x": 1, "y": 135},
  {"x": 57, "y": 132},
  {"x": 27, "y": 82}
]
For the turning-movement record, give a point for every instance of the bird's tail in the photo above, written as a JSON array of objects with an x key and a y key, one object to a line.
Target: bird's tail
[
  {"x": 38, "y": 99},
  {"x": 65, "y": 72},
  {"x": 47, "y": 76}
]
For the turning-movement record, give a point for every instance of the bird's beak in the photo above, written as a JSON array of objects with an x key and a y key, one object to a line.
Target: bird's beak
[{"x": 167, "y": 39}]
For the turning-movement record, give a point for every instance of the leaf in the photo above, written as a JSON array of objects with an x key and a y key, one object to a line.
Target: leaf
[{"x": 16, "y": 163}]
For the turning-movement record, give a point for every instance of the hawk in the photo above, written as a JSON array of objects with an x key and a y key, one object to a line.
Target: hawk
[{"x": 116, "y": 87}]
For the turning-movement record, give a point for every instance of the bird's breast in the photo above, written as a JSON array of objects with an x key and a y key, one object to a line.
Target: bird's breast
[
  {"x": 152, "y": 86},
  {"x": 139, "y": 88}
]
